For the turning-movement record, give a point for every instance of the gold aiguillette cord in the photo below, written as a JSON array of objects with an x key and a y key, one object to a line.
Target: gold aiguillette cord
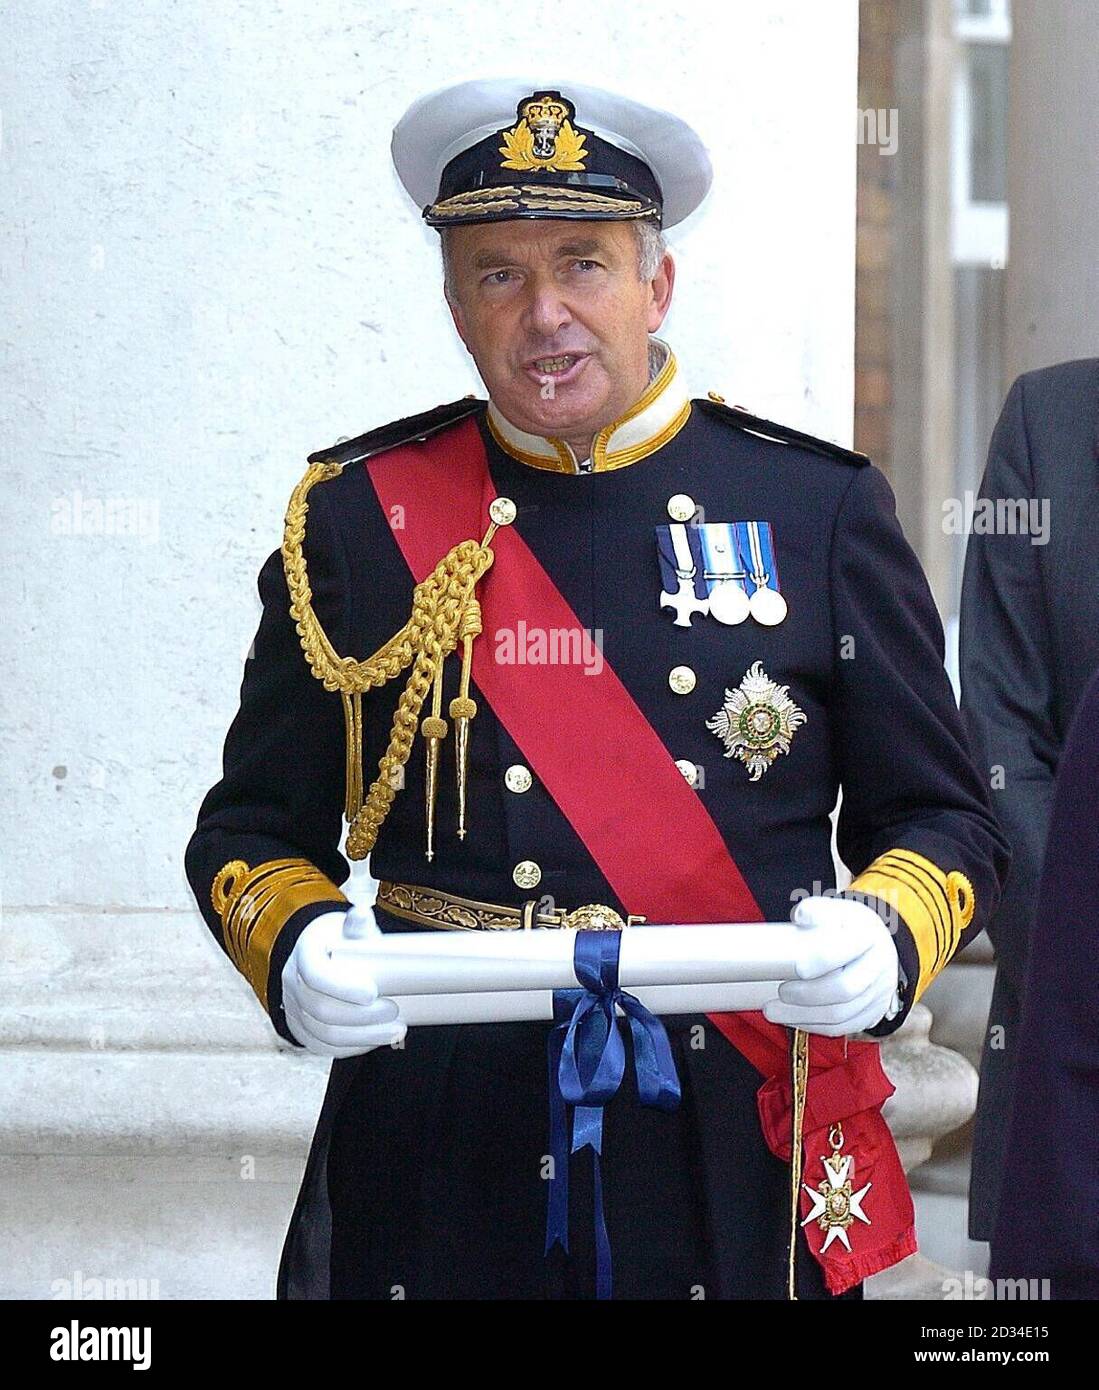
[
  {"x": 799, "y": 1059},
  {"x": 445, "y": 613}
]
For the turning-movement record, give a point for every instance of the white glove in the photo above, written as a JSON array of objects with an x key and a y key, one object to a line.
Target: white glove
[
  {"x": 329, "y": 994},
  {"x": 849, "y": 979}
]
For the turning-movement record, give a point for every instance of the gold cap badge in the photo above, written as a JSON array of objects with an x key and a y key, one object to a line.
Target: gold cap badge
[{"x": 544, "y": 136}]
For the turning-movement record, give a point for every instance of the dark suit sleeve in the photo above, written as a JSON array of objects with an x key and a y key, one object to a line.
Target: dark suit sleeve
[
  {"x": 264, "y": 859},
  {"x": 915, "y": 825},
  {"x": 1007, "y": 691},
  {"x": 1048, "y": 1221}
]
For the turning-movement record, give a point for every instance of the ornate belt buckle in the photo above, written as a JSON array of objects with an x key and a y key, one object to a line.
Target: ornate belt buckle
[{"x": 598, "y": 917}]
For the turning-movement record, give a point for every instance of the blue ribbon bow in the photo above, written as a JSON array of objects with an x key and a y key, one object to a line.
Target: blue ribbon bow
[{"x": 587, "y": 1062}]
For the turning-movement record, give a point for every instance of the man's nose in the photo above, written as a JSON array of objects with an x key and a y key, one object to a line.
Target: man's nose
[{"x": 546, "y": 312}]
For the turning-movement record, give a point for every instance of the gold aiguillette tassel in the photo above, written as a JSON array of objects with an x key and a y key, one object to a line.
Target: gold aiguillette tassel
[
  {"x": 353, "y": 776},
  {"x": 433, "y": 729},
  {"x": 462, "y": 708}
]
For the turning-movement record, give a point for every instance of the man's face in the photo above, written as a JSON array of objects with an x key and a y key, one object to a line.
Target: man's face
[{"x": 557, "y": 319}]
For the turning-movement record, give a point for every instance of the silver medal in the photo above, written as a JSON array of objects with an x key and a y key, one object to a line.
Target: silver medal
[
  {"x": 684, "y": 601},
  {"x": 728, "y": 600},
  {"x": 729, "y": 603},
  {"x": 767, "y": 606}
]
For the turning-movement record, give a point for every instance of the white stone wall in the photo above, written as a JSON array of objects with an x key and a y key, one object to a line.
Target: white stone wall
[{"x": 208, "y": 268}]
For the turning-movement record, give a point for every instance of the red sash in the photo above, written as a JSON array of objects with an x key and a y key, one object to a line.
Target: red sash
[{"x": 442, "y": 490}]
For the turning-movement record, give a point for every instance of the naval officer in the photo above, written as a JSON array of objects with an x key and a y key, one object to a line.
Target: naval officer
[{"x": 754, "y": 635}]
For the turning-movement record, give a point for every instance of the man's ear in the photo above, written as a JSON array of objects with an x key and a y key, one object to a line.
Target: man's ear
[
  {"x": 459, "y": 323},
  {"x": 661, "y": 291}
]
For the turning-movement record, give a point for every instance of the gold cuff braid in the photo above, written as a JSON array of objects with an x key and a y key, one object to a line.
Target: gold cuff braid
[
  {"x": 935, "y": 906},
  {"x": 442, "y": 606},
  {"x": 255, "y": 904}
]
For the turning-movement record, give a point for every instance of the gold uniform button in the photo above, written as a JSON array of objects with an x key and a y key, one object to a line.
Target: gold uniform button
[
  {"x": 682, "y": 679},
  {"x": 518, "y": 779},
  {"x": 714, "y": 396},
  {"x": 527, "y": 874},
  {"x": 681, "y": 507},
  {"x": 689, "y": 771},
  {"x": 502, "y": 511}
]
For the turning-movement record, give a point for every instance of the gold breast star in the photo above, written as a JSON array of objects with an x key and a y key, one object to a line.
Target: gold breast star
[{"x": 757, "y": 721}]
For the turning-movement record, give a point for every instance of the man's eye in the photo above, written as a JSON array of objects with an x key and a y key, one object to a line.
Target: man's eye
[
  {"x": 586, "y": 265},
  {"x": 497, "y": 277}
]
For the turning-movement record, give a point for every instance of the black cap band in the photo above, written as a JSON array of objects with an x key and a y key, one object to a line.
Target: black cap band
[{"x": 544, "y": 166}]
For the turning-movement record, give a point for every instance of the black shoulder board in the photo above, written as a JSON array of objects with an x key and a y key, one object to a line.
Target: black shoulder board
[
  {"x": 418, "y": 427},
  {"x": 783, "y": 434}
]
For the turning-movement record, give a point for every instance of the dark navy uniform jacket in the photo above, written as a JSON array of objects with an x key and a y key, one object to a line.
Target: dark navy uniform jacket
[{"x": 425, "y": 1171}]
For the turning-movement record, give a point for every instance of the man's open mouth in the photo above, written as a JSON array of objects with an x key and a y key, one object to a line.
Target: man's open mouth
[{"x": 556, "y": 368}]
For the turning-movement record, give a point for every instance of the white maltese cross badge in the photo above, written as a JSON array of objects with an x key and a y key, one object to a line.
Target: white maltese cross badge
[
  {"x": 835, "y": 1205},
  {"x": 757, "y": 721}
]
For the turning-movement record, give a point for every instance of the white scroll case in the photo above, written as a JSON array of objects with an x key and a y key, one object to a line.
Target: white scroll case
[
  {"x": 496, "y": 977},
  {"x": 536, "y": 1005}
]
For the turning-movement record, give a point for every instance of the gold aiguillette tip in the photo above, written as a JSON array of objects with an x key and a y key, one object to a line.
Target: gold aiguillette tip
[
  {"x": 433, "y": 729},
  {"x": 462, "y": 710}
]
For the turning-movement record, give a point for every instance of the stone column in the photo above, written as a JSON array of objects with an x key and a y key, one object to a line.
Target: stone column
[
  {"x": 1053, "y": 185},
  {"x": 153, "y": 1131},
  {"x": 923, "y": 279}
]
